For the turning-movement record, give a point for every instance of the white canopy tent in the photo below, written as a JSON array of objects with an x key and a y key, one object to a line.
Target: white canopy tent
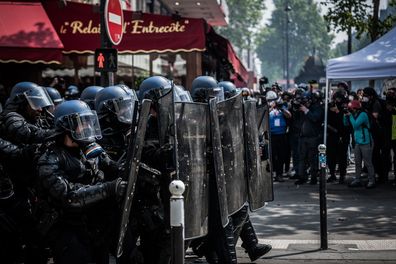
[{"x": 375, "y": 61}]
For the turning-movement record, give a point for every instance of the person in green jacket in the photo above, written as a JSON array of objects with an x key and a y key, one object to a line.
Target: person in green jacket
[{"x": 359, "y": 121}]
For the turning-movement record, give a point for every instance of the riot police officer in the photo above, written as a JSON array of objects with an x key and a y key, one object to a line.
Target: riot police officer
[
  {"x": 20, "y": 118},
  {"x": 115, "y": 106},
  {"x": 16, "y": 224},
  {"x": 242, "y": 225},
  {"x": 55, "y": 95},
  {"x": 20, "y": 124},
  {"x": 158, "y": 154},
  {"x": 70, "y": 183},
  {"x": 88, "y": 95},
  {"x": 219, "y": 244},
  {"x": 72, "y": 92}
]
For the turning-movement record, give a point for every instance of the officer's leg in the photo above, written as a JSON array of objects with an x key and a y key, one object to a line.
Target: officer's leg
[
  {"x": 250, "y": 242},
  {"x": 238, "y": 220}
]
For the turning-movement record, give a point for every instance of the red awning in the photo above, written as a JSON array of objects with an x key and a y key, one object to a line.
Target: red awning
[
  {"x": 78, "y": 27},
  {"x": 27, "y": 35},
  {"x": 224, "y": 49}
]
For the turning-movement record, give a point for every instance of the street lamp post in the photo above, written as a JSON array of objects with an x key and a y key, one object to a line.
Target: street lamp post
[{"x": 287, "y": 9}]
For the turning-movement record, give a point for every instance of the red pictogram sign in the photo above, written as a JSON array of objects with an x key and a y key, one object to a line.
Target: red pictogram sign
[{"x": 114, "y": 20}]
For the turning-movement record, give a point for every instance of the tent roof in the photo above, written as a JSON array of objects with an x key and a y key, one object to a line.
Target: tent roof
[{"x": 376, "y": 61}]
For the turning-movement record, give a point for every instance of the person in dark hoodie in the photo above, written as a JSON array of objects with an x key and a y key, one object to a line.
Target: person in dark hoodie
[
  {"x": 338, "y": 136},
  {"x": 310, "y": 137}
]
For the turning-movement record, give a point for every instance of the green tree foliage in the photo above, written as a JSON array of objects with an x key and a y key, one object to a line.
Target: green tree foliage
[
  {"x": 244, "y": 16},
  {"x": 358, "y": 15},
  {"x": 307, "y": 35}
]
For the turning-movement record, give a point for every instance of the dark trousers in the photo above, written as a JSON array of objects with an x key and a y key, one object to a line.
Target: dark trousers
[
  {"x": 294, "y": 141},
  {"x": 337, "y": 152},
  {"x": 279, "y": 152},
  {"x": 287, "y": 153},
  {"x": 387, "y": 158},
  {"x": 380, "y": 155},
  {"x": 308, "y": 151}
]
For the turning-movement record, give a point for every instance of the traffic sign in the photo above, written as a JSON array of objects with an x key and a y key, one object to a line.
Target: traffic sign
[
  {"x": 106, "y": 60},
  {"x": 114, "y": 20}
]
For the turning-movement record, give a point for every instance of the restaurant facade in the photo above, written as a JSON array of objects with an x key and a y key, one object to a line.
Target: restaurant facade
[{"x": 61, "y": 41}]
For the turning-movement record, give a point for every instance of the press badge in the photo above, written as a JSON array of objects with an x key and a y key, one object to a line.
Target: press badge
[{"x": 277, "y": 122}]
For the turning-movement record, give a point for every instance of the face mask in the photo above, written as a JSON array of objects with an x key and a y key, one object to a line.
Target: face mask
[
  {"x": 365, "y": 99},
  {"x": 350, "y": 98}
]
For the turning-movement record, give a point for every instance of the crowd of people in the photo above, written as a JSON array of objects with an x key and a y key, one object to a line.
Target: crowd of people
[
  {"x": 63, "y": 167},
  {"x": 361, "y": 121},
  {"x": 64, "y": 172}
]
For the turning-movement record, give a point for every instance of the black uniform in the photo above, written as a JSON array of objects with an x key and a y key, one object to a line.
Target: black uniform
[
  {"x": 153, "y": 196},
  {"x": 68, "y": 185}
]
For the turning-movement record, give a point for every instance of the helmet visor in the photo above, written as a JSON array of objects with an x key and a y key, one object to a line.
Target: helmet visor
[
  {"x": 38, "y": 99},
  {"x": 217, "y": 92},
  {"x": 124, "y": 110},
  {"x": 182, "y": 95},
  {"x": 85, "y": 127}
]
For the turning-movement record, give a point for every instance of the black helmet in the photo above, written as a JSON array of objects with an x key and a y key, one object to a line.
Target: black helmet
[
  {"x": 229, "y": 88},
  {"x": 75, "y": 117},
  {"x": 35, "y": 95},
  {"x": 118, "y": 101},
  {"x": 88, "y": 95},
  {"x": 55, "y": 95},
  {"x": 204, "y": 87},
  {"x": 154, "y": 87},
  {"x": 72, "y": 92}
]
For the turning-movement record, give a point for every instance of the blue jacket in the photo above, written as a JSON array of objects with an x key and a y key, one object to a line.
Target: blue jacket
[
  {"x": 278, "y": 124},
  {"x": 361, "y": 127}
]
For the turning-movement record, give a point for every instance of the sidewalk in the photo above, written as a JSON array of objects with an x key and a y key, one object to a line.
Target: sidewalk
[{"x": 361, "y": 225}]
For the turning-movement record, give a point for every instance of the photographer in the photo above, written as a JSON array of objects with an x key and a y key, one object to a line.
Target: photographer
[
  {"x": 359, "y": 121},
  {"x": 295, "y": 125},
  {"x": 390, "y": 131},
  {"x": 375, "y": 108},
  {"x": 310, "y": 136},
  {"x": 277, "y": 116},
  {"x": 338, "y": 136}
]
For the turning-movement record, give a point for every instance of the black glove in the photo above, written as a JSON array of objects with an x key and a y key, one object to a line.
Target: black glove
[{"x": 117, "y": 188}]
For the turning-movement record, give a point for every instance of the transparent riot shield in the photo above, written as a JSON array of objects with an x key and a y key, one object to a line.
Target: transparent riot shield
[
  {"x": 265, "y": 142},
  {"x": 259, "y": 179},
  {"x": 230, "y": 115},
  {"x": 134, "y": 154},
  {"x": 165, "y": 119},
  {"x": 217, "y": 162},
  {"x": 193, "y": 139}
]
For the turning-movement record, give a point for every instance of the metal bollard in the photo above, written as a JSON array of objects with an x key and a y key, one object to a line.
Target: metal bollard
[
  {"x": 322, "y": 195},
  {"x": 177, "y": 188}
]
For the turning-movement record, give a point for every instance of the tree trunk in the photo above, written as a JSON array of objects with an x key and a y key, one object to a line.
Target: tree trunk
[
  {"x": 349, "y": 40},
  {"x": 374, "y": 24}
]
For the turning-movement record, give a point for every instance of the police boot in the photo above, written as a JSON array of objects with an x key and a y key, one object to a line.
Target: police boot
[
  {"x": 225, "y": 246},
  {"x": 250, "y": 242}
]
